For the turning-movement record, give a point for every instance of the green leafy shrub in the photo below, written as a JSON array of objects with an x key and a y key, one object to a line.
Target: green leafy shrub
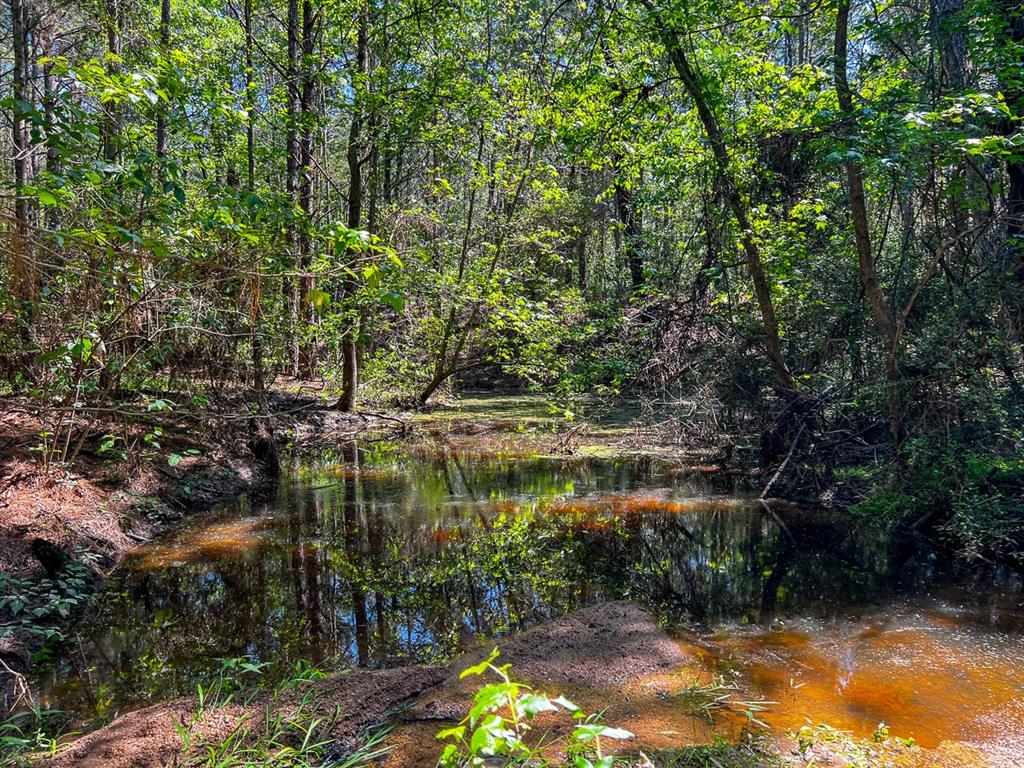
[{"x": 501, "y": 719}]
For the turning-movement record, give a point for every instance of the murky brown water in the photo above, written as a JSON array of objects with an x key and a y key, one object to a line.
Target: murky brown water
[
  {"x": 925, "y": 667},
  {"x": 386, "y": 555}
]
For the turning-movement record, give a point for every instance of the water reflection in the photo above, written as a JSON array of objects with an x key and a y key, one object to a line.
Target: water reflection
[{"x": 381, "y": 555}]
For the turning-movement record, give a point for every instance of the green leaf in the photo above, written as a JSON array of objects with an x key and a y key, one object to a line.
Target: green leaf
[
  {"x": 448, "y": 733},
  {"x": 319, "y": 299},
  {"x": 479, "y": 669},
  {"x": 531, "y": 704}
]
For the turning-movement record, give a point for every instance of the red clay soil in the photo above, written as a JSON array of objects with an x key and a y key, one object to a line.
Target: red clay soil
[
  {"x": 93, "y": 505},
  {"x": 149, "y": 738},
  {"x": 89, "y": 505}
]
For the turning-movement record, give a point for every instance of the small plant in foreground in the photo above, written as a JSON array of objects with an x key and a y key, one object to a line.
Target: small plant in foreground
[
  {"x": 290, "y": 732},
  {"x": 29, "y": 734},
  {"x": 500, "y": 719},
  {"x": 858, "y": 753},
  {"x": 707, "y": 699}
]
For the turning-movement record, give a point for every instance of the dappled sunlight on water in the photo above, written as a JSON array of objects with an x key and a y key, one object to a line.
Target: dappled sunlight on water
[
  {"x": 918, "y": 670},
  {"x": 393, "y": 554}
]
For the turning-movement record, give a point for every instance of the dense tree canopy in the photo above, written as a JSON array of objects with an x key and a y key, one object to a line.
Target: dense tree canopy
[{"x": 809, "y": 215}]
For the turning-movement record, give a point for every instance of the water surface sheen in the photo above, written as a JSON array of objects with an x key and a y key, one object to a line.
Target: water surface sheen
[{"x": 384, "y": 554}]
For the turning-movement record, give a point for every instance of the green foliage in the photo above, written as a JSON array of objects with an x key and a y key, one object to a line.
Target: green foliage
[
  {"x": 501, "y": 719},
  {"x": 748, "y": 753},
  {"x": 29, "y": 734},
  {"x": 709, "y": 699},
  {"x": 35, "y": 610},
  {"x": 297, "y": 736},
  {"x": 857, "y": 753},
  {"x": 974, "y": 494}
]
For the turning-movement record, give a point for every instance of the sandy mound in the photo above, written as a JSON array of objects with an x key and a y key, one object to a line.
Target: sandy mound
[
  {"x": 611, "y": 657},
  {"x": 598, "y": 648}
]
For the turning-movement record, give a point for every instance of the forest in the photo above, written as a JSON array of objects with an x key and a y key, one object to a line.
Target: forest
[{"x": 420, "y": 326}]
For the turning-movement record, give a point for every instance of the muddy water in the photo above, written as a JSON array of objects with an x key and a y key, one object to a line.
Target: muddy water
[{"x": 383, "y": 555}]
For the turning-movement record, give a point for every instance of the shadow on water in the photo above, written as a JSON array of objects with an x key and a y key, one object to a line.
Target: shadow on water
[{"x": 386, "y": 555}]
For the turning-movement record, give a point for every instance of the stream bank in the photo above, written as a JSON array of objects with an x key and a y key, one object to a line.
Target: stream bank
[
  {"x": 612, "y": 658},
  {"x": 377, "y": 555},
  {"x": 76, "y": 498}
]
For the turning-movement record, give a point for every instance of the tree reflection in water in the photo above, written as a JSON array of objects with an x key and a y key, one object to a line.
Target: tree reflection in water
[{"x": 381, "y": 556}]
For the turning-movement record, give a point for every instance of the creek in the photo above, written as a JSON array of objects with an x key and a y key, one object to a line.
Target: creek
[{"x": 383, "y": 554}]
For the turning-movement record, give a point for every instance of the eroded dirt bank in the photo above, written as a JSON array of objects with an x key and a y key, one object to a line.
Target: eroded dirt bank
[
  {"x": 102, "y": 503},
  {"x": 612, "y": 658},
  {"x": 85, "y": 492}
]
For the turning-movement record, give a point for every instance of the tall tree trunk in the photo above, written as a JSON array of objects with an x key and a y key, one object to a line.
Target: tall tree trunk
[
  {"x": 951, "y": 38},
  {"x": 291, "y": 182},
  {"x": 751, "y": 250},
  {"x": 307, "y": 353},
  {"x": 1012, "y": 82},
  {"x": 867, "y": 270},
  {"x": 631, "y": 226},
  {"x": 349, "y": 354},
  {"x": 165, "y": 44},
  {"x": 855, "y": 185},
  {"x": 250, "y": 102},
  {"x": 21, "y": 252},
  {"x": 53, "y": 160},
  {"x": 256, "y": 319},
  {"x": 111, "y": 128}
]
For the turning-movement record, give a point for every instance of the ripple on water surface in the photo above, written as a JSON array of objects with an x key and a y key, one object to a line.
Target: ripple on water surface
[{"x": 921, "y": 667}]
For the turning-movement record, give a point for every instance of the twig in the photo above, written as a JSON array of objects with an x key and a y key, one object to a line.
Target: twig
[{"x": 782, "y": 466}]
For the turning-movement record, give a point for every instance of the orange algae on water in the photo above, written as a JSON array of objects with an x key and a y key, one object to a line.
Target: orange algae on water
[
  {"x": 222, "y": 540},
  {"x": 905, "y": 670}
]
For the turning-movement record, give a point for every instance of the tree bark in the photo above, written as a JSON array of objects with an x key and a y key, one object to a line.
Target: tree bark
[
  {"x": 855, "y": 185},
  {"x": 292, "y": 181},
  {"x": 1012, "y": 82},
  {"x": 111, "y": 127},
  {"x": 23, "y": 266},
  {"x": 307, "y": 352},
  {"x": 632, "y": 232},
  {"x": 165, "y": 43},
  {"x": 256, "y": 321}
]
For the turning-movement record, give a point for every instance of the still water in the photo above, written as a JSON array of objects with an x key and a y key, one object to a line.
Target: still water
[{"x": 385, "y": 554}]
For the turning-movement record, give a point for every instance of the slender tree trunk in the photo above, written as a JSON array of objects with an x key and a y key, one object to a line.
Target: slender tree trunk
[
  {"x": 855, "y": 186},
  {"x": 292, "y": 182},
  {"x": 751, "y": 250},
  {"x": 1012, "y": 81},
  {"x": 23, "y": 269},
  {"x": 111, "y": 128},
  {"x": 307, "y": 354},
  {"x": 349, "y": 354},
  {"x": 165, "y": 44},
  {"x": 53, "y": 160},
  {"x": 631, "y": 231},
  {"x": 258, "y": 363},
  {"x": 867, "y": 270}
]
